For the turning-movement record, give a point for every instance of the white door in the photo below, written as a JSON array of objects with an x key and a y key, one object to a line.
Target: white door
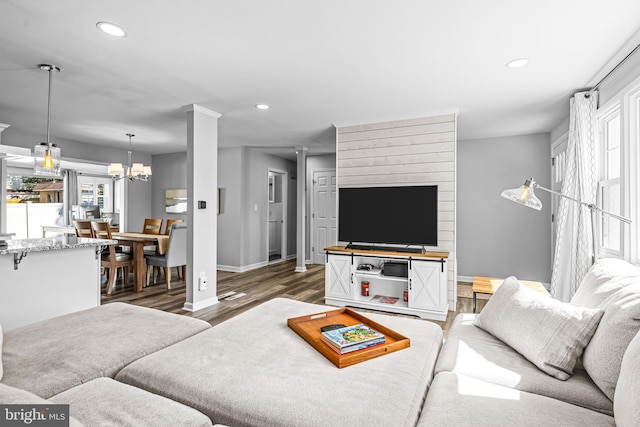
[
  {"x": 558, "y": 156},
  {"x": 323, "y": 214}
]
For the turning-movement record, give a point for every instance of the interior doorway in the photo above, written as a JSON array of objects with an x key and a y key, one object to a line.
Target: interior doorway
[
  {"x": 323, "y": 213},
  {"x": 277, "y": 215}
]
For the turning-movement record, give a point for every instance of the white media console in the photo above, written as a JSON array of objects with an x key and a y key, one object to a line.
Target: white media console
[{"x": 425, "y": 281}]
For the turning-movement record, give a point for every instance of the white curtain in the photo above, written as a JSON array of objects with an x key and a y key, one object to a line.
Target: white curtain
[
  {"x": 70, "y": 192},
  {"x": 574, "y": 244}
]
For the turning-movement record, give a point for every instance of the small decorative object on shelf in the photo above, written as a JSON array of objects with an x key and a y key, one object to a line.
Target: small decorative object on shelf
[
  {"x": 365, "y": 288},
  {"x": 405, "y": 295}
]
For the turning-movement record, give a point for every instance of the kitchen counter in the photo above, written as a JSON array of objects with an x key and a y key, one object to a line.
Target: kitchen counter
[
  {"x": 48, "y": 277},
  {"x": 51, "y": 244}
]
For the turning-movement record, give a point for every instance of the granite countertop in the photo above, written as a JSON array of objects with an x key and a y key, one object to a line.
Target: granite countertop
[{"x": 51, "y": 244}]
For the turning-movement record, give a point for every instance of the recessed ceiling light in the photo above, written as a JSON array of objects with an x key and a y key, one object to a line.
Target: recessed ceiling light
[
  {"x": 111, "y": 29},
  {"x": 262, "y": 106},
  {"x": 517, "y": 63}
]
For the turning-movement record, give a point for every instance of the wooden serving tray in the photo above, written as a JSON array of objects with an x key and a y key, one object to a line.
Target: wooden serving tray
[{"x": 308, "y": 327}]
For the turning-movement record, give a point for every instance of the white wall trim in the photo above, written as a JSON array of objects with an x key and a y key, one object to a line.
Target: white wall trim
[
  {"x": 197, "y": 108},
  {"x": 244, "y": 268},
  {"x": 199, "y": 305}
]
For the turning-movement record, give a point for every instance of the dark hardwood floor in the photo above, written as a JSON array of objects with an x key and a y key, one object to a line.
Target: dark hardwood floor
[{"x": 258, "y": 286}]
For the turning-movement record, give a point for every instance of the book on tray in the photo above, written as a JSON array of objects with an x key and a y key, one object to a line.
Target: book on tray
[{"x": 352, "y": 338}]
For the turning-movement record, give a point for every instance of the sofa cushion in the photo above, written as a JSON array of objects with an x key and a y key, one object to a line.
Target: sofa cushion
[
  {"x": 455, "y": 400},
  {"x": 54, "y": 355},
  {"x": 104, "y": 401},
  {"x": 549, "y": 333},
  {"x": 15, "y": 396},
  {"x": 619, "y": 324},
  {"x": 605, "y": 277},
  {"x": 254, "y": 370},
  {"x": 470, "y": 351},
  {"x": 627, "y": 395}
]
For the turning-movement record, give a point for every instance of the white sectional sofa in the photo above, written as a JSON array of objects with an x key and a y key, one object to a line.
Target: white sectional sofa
[{"x": 124, "y": 365}]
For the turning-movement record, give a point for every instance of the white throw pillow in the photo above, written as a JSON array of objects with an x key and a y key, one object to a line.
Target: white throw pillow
[
  {"x": 621, "y": 322},
  {"x": 625, "y": 403},
  {"x": 605, "y": 277},
  {"x": 549, "y": 333}
]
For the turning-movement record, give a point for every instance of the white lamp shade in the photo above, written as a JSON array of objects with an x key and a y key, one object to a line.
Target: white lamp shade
[
  {"x": 147, "y": 171},
  {"x": 46, "y": 160},
  {"x": 524, "y": 196},
  {"x": 137, "y": 169},
  {"x": 115, "y": 169}
]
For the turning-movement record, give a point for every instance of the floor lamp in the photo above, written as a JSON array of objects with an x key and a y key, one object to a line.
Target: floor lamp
[{"x": 526, "y": 196}]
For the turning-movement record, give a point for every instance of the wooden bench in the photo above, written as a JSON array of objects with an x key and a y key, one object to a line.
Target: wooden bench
[{"x": 488, "y": 285}]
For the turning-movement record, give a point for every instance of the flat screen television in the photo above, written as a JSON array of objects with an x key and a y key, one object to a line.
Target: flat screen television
[{"x": 389, "y": 215}]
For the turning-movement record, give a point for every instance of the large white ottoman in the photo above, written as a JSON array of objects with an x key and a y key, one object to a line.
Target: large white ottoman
[{"x": 253, "y": 370}]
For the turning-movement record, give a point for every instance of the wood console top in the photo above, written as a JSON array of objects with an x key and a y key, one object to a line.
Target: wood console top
[{"x": 435, "y": 254}]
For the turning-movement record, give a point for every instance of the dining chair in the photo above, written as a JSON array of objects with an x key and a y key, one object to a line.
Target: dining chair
[
  {"x": 83, "y": 228},
  {"x": 111, "y": 260},
  {"x": 169, "y": 223},
  {"x": 176, "y": 255},
  {"x": 152, "y": 226}
]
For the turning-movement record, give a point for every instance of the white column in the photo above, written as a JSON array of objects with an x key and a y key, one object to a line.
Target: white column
[
  {"x": 302, "y": 212},
  {"x": 3, "y": 186},
  {"x": 202, "y": 195}
]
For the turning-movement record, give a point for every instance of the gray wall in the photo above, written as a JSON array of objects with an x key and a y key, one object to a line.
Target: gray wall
[
  {"x": 255, "y": 227},
  {"x": 242, "y": 230},
  {"x": 169, "y": 171},
  {"x": 230, "y": 220},
  {"x": 497, "y": 237}
]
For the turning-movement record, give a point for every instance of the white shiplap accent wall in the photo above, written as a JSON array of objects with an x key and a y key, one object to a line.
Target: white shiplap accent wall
[{"x": 406, "y": 152}]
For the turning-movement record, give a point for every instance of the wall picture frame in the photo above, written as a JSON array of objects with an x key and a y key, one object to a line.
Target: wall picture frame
[{"x": 175, "y": 200}]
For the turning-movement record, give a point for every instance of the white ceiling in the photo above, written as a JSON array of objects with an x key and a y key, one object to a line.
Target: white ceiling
[{"x": 317, "y": 63}]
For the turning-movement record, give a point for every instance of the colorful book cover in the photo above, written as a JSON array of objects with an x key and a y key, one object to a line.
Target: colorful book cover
[
  {"x": 351, "y": 335},
  {"x": 353, "y": 347},
  {"x": 384, "y": 299}
]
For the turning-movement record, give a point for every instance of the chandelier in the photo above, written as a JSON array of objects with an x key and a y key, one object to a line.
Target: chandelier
[
  {"x": 46, "y": 156},
  {"x": 134, "y": 172}
]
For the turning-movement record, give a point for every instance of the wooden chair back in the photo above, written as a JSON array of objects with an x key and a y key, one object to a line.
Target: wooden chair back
[
  {"x": 101, "y": 230},
  {"x": 111, "y": 260},
  {"x": 83, "y": 228},
  {"x": 169, "y": 223},
  {"x": 152, "y": 226}
]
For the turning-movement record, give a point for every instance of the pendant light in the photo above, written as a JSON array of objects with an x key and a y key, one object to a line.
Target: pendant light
[
  {"x": 135, "y": 171},
  {"x": 47, "y": 155}
]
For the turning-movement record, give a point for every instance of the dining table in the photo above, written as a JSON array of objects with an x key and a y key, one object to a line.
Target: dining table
[{"x": 137, "y": 241}]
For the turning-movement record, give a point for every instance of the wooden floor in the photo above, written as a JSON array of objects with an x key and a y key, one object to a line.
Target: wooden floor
[{"x": 259, "y": 285}]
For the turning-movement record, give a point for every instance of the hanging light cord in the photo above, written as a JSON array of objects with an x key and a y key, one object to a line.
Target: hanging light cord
[{"x": 51, "y": 69}]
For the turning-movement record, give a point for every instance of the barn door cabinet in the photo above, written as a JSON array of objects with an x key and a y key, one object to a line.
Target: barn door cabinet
[{"x": 396, "y": 282}]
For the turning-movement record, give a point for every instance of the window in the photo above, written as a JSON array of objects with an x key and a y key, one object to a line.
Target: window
[
  {"x": 619, "y": 174},
  {"x": 96, "y": 191},
  {"x": 32, "y": 202},
  {"x": 609, "y": 190}
]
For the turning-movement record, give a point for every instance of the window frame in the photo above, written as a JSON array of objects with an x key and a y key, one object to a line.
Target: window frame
[{"x": 627, "y": 103}]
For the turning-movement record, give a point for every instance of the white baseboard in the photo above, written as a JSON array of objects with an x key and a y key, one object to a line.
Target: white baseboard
[
  {"x": 200, "y": 304},
  {"x": 242, "y": 269}
]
